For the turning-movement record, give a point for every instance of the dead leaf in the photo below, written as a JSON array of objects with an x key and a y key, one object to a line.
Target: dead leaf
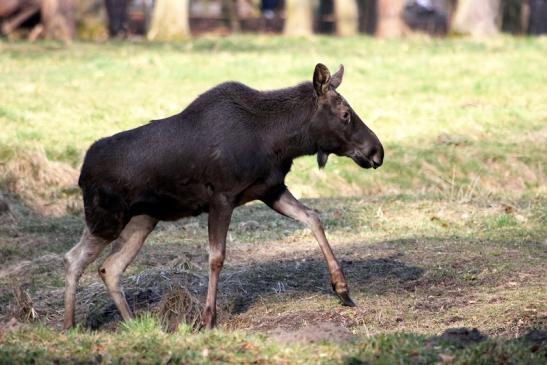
[
  {"x": 446, "y": 359},
  {"x": 520, "y": 218},
  {"x": 379, "y": 213},
  {"x": 247, "y": 346},
  {"x": 439, "y": 220}
]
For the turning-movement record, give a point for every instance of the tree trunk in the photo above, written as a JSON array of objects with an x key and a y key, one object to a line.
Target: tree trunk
[
  {"x": 116, "y": 11},
  {"x": 170, "y": 20},
  {"x": 229, "y": 9},
  {"x": 298, "y": 17},
  {"x": 390, "y": 21},
  {"x": 347, "y": 17},
  {"x": 58, "y": 19},
  {"x": 368, "y": 16},
  {"x": 537, "y": 23},
  {"x": 477, "y": 18}
]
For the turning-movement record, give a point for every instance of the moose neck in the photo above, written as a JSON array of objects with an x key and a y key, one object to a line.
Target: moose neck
[{"x": 289, "y": 134}]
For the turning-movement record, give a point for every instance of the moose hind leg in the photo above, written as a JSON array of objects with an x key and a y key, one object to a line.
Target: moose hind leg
[
  {"x": 123, "y": 252},
  {"x": 76, "y": 260}
]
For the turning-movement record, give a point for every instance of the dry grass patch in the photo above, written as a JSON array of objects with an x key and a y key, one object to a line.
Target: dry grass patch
[{"x": 48, "y": 187}]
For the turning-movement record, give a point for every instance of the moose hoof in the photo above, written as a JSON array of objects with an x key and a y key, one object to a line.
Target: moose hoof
[
  {"x": 68, "y": 323},
  {"x": 206, "y": 325},
  {"x": 344, "y": 297},
  {"x": 208, "y": 320},
  {"x": 346, "y": 300}
]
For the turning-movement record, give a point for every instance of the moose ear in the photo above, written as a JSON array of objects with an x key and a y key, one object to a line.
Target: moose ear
[
  {"x": 321, "y": 79},
  {"x": 322, "y": 158},
  {"x": 336, "y": 79}
]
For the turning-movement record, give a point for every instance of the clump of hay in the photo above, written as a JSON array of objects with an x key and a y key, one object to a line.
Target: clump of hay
[
  {"x": 21, "y": 306},
  {"x": 179, "y": 304},
  {"x": 48, "y": 187},
  {"x": 171, "y": 293}
]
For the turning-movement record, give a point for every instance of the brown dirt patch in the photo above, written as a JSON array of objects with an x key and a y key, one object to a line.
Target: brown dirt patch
[{"x": 321, "y": 332}]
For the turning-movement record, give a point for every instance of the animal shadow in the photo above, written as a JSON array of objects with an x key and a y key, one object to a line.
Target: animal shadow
[{"x": 310, "y": 275}]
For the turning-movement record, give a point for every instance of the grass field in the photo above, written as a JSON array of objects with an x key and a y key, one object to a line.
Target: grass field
[{"x": 451, "y": 232}]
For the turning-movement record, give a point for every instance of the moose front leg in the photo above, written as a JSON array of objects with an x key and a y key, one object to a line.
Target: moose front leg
[
  {"x": 289, "y": 206},
  {"x": 220, "y": 213}
]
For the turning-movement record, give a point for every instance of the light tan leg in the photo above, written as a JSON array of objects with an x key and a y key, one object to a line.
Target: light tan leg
[
  {"x": 124, "y": 251},
  {"x": 289, "y": 206},
  {"x": 76, "y": 261}
]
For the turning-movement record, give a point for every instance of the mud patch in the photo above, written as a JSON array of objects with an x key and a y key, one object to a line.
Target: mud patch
[
  {"x": 321, "y": 332},
  {"x": 537, "y": 340},
  {"x": 4, "y": 206},
  {"x": 296, "y": 319},
  {"x": 149, "y": 291},
  {"x": 460, "y": 337}
]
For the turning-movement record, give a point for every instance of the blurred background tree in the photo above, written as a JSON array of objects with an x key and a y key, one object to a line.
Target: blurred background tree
[
  {"x": 477, "y": 18},
  {"x": 512, "y": 21},
  {"x": 173, "y": 20},
  {"x": 537, "y": 23},
  {"x": 117, "y": 17},
  {"x": 170, "y": 20},
  {"x": 298, "y": 17},
  {"x": 229, "y": 10},
  {"x": 346, "y": 17},
  {"x": 390, "y": 22},
  {"x": 58, "y": 19}
]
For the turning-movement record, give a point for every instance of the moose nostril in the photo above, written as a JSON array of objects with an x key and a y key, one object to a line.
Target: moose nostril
[
  {"x": 375, "y": 155},
  {"x": 377, "y": 159}
]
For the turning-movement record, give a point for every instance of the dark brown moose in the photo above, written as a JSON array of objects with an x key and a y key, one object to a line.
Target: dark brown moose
[{"x": 231, "y": 145}]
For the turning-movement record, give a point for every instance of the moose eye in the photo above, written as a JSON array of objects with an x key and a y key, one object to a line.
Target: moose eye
[{"x": 346, "y": 117}]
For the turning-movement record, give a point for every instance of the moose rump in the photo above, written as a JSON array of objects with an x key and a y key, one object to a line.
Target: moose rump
[
  {"x": 170, "y": 168},
  {"x": 231, "y": 145}
]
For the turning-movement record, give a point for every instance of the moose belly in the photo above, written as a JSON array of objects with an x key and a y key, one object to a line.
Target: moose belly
[{"x": 191, "y": 200}]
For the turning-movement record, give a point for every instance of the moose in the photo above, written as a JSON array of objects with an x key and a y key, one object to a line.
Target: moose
[{"x": 231, "y": 145}]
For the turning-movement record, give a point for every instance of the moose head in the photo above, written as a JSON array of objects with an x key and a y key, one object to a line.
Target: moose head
[{"x": 336, "y": 127}]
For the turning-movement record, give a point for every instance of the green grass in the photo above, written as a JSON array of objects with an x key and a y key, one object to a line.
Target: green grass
[
  {"x": 143, "y": 342},
  {"x": 412, "y": 93},
  {"x": 450, "y": 232}
]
